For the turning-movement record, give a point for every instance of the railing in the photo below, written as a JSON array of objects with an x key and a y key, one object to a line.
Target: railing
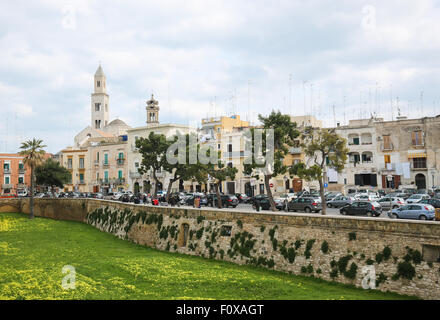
[
  {"x": 21, "y": 170},
  {"x": 105, "y": 163},
  {"x": 295, "y": 150},
  {"x": 7, "y": 170},
  {"x": 134, "y": 175},
  {"x": 119, "y": 161},
  {"x": 7, "y": 186},
  {"x": 96, "y": 162}
]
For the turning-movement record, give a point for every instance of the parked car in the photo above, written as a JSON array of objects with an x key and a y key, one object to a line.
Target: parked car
[
  {"x": 416, "y": 198},
  {"x": 203, "y": 201},
  {"x": 22, "y": 193},
  {"x": 414, "y": 211},
  {"x": 332, "y": 195},
  {"x": 362, "y": 208},
  {"x": 286, "y": 196},
  {"x": 366, "y": 197},
  {"x": 227, "y": 200},
  {"x": 304, "y": 204},
  {"x": 388, "y": 203},
  {"x": 340, "y": 201},
  {"x": 242, "y": 197},
  {"x": 433, "y": 202},
  {"x": 265, "y": 204},
  {"x": 257, "y": 197},
  {"x": 7, "y": 196}
]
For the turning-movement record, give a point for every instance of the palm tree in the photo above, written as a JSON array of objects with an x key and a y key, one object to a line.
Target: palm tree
[{"x": 33, "y": 153}]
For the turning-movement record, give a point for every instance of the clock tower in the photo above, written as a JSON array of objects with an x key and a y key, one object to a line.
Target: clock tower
[{"x": 152, "y": 112}]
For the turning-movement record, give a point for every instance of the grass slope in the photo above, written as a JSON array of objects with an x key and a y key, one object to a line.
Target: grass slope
[{"x": 32, "y": 254}]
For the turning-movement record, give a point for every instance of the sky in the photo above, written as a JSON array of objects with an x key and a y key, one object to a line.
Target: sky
[{"x": 336, "y": 60}]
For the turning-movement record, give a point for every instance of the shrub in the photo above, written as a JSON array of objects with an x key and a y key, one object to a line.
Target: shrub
[
  {"x": 309, "y": 268},
  {"x": 298, "y": 244},
  {"x": 262, "y": 228},
  {"x": 379, "y": 257},
  {"x": 334, "y": 273},
  {"x": 352, "y": 236},
  {"x": 413, "y": 255},
  {"x": 309, "y": 246},
  {"x": 381, "y": 278},
  {"x": 200, "y": 219},
  {"x": 406, "y": 270},
  {"x": 199, "y": 233},
  {"x": 303, "y": 269},
  {"x": 240, "y": 224},
  {"x": 369, "y": 262},
  {"x": 351, "y": 273},
  {"x": 386, "y": 253}
]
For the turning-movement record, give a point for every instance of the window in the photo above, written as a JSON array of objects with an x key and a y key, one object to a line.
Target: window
[
  {"x": 387, "y": 142},
  {"x": 20, "y": 165},
  {"x": 97, "y": 106},
  {"x": 218, "y": 146},
  {"x": 97, "y": 176},
  {"x": 106, "y": 176},
  {"x": 136, "y": 164},
  {"x": 121, "y": 155},
  {"x": 81, "y": 178},
  {"x": 106, "y": 158},
  {"x": 229, "y": 147},
  {"x": 230, "y": 165},
  {"x": 6, "y": 166},
  {"x": 416, "y": 137},
  {"x": 387, "y": 158},
  {"x": 81, "y": 163},
  {"x": 419, "y": 163},
  {"x": 7, "y": 180},
  {"x": 98, "y": 83},
  {"x": 69, "y": 163},
  {"x": 97, "y": 156},
  {"x": 21, "y": 180},
  {"x": 120, "y": 174}
]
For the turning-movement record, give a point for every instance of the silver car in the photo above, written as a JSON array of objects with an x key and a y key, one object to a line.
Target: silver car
[
  {"x": 416, "y": 198},
  {"x": 340, "y": 201},
  {"x": 413, "y": 211},
  {"x": 388, "y": 203}
]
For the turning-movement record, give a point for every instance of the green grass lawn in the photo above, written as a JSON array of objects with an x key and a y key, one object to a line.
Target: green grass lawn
[{"x": 33, "y": 252}]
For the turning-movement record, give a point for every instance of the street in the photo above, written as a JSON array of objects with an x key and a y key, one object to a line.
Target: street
[{"x": 248, "y": 208}]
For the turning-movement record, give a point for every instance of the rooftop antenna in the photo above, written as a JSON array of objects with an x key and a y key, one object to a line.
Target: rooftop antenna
[
  {"x": 290, "y": 94},
  {"x": 304, "y": 94},
  {"x": 391, "y": 102},
  {"x": 334, "y": 116}
]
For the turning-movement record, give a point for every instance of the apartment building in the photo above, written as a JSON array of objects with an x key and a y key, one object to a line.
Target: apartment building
[
  {"x": 76, "y": 160},
  {"x": 14, "y": 175}
]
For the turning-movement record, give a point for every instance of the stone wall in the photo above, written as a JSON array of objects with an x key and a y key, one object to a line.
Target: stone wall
[{"x": 404, "y": 254}]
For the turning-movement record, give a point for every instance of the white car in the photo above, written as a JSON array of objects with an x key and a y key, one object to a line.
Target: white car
[
  {"x": 417, "y": 197},
  {"x": 366, "y": 197}
]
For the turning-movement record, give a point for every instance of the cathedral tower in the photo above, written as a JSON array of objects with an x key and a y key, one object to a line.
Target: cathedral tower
[{"x": 152, "y": 112}]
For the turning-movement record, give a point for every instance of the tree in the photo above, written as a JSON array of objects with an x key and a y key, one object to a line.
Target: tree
[
  {"x": 51, "y": 174},
  {"x": 283, "y": 131},
  {"x": 325, "y": 149},
  {"x": 33, "y": 153},
  {"x": 153, "y": 150},
  {"x": 219, "y": 173},
  {"x": 183, "y": 168}
]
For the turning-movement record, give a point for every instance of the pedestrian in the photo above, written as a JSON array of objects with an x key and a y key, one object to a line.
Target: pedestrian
[{"x": 257, "y": 205}]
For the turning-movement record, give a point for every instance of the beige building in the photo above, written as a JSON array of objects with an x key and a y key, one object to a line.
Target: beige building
[
  {"x": 76, "y": 160},
  {"x": 145, "y": 183},
  {"x": 101, "y": 137}
]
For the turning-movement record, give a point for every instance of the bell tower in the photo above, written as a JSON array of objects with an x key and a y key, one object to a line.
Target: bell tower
[
  {"x": 152, "y": 112},
  {"x": 99, "y": 101}
]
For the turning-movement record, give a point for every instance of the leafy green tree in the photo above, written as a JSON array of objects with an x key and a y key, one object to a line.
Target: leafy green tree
[
  {"x": 183, "y": 168},
  {"x": 153, "y": 150},
  {"x": 33, "y": 152},
  {"x": 283, "y": 131},
  {"x": 218, "y": 173},
  {"x": 325, "y": 149},
  {"x": 51, "y": 174}
]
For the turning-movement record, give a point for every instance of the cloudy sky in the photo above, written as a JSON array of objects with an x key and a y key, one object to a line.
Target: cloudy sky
[{"x": 337, "y": 60}]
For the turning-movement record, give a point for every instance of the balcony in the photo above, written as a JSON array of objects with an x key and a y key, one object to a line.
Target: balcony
[
  {"x": 120, "y": 161},
  {"x": 6, "y": 170},
  {"x": 134, "y": 175},
  {"x": 82, "y": 182},
  {"x": 105, "y": 163},
  {"x": 21, "y": 170},
  {"x": 7, "y": 186},
  {"x": 295, "y": 150},
  {"x": 388, "y": 167},
  {"x": 96, "y": 163}
]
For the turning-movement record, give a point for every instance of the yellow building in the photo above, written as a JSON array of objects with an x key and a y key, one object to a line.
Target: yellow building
[{"x": 76, "y": 160}]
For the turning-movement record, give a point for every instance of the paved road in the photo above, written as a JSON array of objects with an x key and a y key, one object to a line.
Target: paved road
[{"x": 330, "y": 211}]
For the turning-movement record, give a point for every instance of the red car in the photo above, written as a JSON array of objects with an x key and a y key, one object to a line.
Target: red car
[{"x": 7, "y": 196}]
